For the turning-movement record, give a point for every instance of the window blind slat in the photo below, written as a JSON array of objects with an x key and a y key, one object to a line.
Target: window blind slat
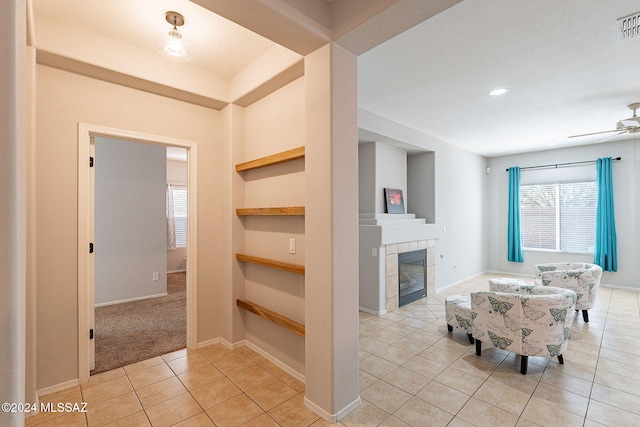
[{"x": 180, "y": 214}]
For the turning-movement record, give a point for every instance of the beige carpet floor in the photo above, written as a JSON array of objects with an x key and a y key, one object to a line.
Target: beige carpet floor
[{"x": 133, "y": 331}]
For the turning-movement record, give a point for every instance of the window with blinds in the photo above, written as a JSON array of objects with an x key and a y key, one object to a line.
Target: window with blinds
[
  {"x": 180, "y": 214},
  {"x": 559, "y": 216}
]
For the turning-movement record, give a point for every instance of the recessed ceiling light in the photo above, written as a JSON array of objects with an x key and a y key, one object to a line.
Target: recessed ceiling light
[{"x": 497, "y": 92}]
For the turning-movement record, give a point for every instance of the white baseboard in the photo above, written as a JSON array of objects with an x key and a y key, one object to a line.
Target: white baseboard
[
  {"x": 208, "y": 342},
  {"x": 288, "y": 369},
  {"x": 231, "y": 346},
  {"x": 368, "y": 310},
  {"x": 55, "y": 388},
  {"x": 102, "y": 304},
  {"x": 623, "y": 287},
  {"x": 280, "y": 364},
  {"x": 184, "y": 270},
  {"x": 332, "y": 418}
]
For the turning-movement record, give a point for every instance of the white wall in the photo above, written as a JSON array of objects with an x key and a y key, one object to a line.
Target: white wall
[
  {"x": 13, "y": 209},
  {"x": 391, "y": 172},
  {"x": 367, "y": 177},
  {"x": 460, "y": 198},
  {"x": 380, "y": 166},
  {"x": 421, "y": 186},
  {"x": 626, "y": 181},
  {"x": 130, "y": 220}
]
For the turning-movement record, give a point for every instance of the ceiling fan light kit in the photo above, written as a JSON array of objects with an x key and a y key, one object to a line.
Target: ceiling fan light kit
[{"x": 630, "y": 125}]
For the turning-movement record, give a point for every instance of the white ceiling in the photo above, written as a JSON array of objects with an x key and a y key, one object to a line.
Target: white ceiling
[
  {"x": 222, "y": 46},
  {"x": 561, "y": 60}
]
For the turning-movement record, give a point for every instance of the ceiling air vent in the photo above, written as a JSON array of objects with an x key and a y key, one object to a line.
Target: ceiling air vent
[{"x": 629, "y": 27}]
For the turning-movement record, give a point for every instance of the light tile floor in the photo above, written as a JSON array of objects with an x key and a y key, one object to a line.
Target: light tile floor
[{"x": 412, "y": 373}]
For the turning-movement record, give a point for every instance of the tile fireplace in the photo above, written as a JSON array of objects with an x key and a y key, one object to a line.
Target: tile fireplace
[{"x": 384, "y": 241}]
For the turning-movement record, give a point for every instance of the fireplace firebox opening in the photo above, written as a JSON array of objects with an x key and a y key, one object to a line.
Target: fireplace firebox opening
[{"x": 412, "y": 276}]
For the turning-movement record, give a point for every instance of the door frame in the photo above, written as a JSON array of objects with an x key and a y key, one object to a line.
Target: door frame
[{"x": 86, "y": 188}]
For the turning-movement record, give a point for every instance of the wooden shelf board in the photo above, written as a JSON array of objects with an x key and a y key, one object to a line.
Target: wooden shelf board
[
  {"x": 293, "y": 268},
  {"x": 272, "y": 316},
  {"x": 274, "y": 159},
  {"x": 289, "y": 210}
]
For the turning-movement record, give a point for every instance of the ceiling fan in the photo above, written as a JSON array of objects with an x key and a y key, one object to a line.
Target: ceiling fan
[{"x": 630, "y": 125}]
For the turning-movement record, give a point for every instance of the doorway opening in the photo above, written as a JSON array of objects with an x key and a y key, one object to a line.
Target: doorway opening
[{"x": 87, "y": 135}]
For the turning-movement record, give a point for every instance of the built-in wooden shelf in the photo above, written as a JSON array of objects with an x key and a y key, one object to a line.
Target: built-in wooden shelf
[
  {"x": 274, "y": 159},
  {"x": 289, "y": 210},
  {"x": 293, "y": 268},
  {"x": 272, "y": 316}
]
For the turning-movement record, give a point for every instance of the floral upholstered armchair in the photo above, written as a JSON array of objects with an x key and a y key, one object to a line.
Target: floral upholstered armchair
[
  {"x": 533, "y": 323},
  {"x": 582, "y": 278}
]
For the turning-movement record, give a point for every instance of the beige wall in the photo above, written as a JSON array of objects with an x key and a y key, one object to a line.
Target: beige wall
[
  {"x": 331, "y": 134},
  {"x": 63, "y": 99},
  {"x": 271, "y": 125}
]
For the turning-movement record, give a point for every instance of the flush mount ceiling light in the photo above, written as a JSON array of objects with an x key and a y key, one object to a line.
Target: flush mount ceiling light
[
  {"x": 498, "y": 92},
  {"x": 172, "y": 44}
]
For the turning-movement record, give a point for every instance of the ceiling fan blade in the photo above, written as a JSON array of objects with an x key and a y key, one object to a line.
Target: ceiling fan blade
[
  {"x": 593, "y": 133},
  {"x": 612, "y": 136}
]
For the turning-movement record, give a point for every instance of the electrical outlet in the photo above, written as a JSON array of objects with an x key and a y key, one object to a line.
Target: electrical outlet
[
  {"x": 374, "y": 252},
  {"x": 292, "y": 246},
  {"x": 156, "y": 277}
]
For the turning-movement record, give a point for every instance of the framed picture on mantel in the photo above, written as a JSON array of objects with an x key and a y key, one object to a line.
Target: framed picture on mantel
[{"x": 394, "y": 201}]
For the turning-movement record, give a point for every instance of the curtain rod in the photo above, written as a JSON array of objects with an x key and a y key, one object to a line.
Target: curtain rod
[{"x": 563, "y": 164}]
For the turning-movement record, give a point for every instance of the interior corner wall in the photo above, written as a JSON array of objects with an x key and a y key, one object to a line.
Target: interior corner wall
[
  {"x": 421, "y": 186},
  {"x": 390, "y": 172},
  {"x": 366, "y": 177},
  {"x": 626, "y": 184},
  {"x": 130, "y": 222},
  {"x": 63, "y": 100}
]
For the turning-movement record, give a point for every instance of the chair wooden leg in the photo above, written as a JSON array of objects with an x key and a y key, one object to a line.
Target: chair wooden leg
[
  {"x": 470, "y": 338},
  {"x": 524, "y": 364},
  {"x": 478, "y": 347},
  {"x": 449, "y": 328},
  {"x": 585, "y": 316},
  {"x": 560, "y": 359}
]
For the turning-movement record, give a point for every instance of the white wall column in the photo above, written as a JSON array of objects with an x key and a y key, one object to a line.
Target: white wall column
[
  {"x": 13, "y": 188},
  {"x": 331, "y": 232}
]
